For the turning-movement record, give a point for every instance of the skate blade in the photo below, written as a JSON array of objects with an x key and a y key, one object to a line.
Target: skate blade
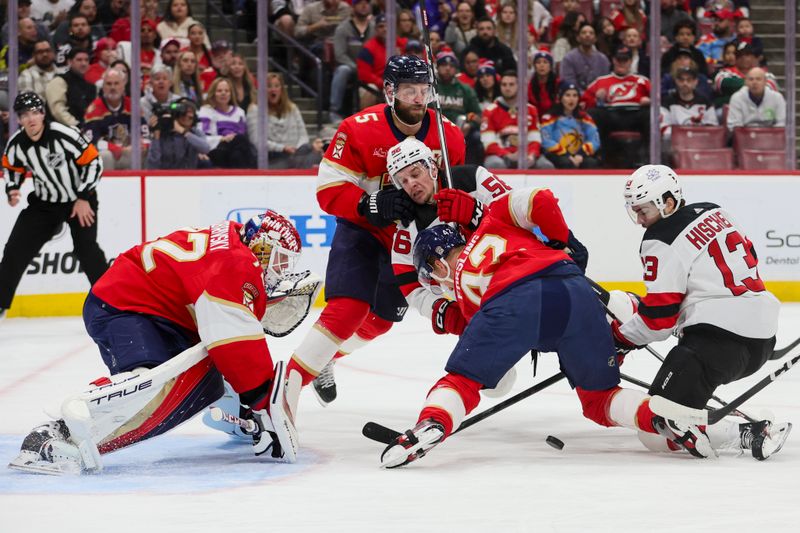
[
  {"x": 43, "y": 467},
  {"x": 774, "y": 441}
]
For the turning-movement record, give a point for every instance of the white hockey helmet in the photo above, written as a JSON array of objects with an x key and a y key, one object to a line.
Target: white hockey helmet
[
  {"x": 276, "y": 244},
  {"x": 406, "y": 153},
  {"x": 652, "y": 183}
]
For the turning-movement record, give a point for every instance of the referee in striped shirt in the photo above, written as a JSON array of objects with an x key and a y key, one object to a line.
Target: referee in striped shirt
[{"x": 66, "y": 169}]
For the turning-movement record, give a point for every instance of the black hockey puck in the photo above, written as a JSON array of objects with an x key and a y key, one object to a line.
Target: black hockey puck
[{"x": 558, "y": 444}]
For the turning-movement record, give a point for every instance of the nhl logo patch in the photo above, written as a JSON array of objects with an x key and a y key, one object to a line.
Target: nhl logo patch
[{"x": 55, "y": 160}]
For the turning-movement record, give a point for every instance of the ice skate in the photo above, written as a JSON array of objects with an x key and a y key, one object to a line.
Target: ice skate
[
  {"x": 47, "y": 450},
  {"x": 413, "y": 444},
  {"x": 325, "y": 385},
  {"x": 691, "y": 438},
  {"x": 763, "y": 438}
]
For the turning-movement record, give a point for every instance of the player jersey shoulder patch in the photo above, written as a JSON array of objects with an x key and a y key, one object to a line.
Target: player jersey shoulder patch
[{"x": 668, "y": 229}]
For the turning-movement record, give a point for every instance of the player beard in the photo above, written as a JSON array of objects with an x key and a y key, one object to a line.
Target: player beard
[{"x": 410, "y": 114}]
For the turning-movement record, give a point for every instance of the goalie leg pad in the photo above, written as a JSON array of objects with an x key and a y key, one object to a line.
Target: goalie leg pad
[{"x": 140, "y": 405}]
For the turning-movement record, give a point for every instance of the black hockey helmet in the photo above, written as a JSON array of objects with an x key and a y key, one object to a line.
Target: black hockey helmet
[
  {"x": 405, "y": 69},
  {"x": 434, "y": 243},
  {"x": 28, "y": 101}
]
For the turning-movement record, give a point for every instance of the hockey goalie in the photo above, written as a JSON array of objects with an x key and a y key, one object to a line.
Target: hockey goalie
[{"x": 173, "y": 317}]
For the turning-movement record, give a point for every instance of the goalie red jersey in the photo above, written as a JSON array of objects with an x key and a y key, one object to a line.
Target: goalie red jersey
[
  {"x": 207, "y": 281},
  {"x": 504, "y": 249},
  {"x": 355, "y": 161}
]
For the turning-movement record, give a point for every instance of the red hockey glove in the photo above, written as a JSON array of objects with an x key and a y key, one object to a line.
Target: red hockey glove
[
  {"x": 454, "y": 205},
  {"x": 622, "y": 345},
  {"x": 447, "y": 317}
]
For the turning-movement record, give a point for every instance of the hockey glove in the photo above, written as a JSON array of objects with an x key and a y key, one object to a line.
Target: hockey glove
[
  {"x": 454, "y": 205},
  {"x": 447, "y": 317},
  {"x": 383, "y": 207},
  {"x": 573, "y": 248},
  {"x": 622, "y": 345}
]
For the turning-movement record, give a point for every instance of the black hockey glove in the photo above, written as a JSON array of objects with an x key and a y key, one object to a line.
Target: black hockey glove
[
  {"x": 383, "y": 207},
  {"x": 574, "y": 248}
]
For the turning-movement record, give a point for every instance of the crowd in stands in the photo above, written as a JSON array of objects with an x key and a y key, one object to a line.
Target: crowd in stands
[{"x": 588, "y": 89}]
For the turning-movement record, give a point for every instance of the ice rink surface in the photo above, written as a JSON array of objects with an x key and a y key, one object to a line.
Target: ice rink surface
[{"x": 498, "y": 475}]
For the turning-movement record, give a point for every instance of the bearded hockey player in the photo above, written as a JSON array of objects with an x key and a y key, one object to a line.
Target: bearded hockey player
[
  {"x": 169, "y": 317},
  {"x": 363, "y": 298}
]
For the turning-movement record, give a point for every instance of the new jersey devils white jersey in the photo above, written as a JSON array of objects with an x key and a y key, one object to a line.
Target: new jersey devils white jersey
[
  {"x": 476, "y": 180},
  {"x": 700, "y": 267}
]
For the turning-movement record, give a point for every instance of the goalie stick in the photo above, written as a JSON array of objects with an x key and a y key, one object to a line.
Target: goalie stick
[
  {"x": 218, "y": 415},
  {"x": 698, "y": 417},
  {"x": 385, "y": 435},
  {"x": 437, "y": 106}
]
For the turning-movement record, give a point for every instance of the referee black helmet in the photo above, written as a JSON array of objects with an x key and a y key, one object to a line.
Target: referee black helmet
[{"x": 28, "y": 101}]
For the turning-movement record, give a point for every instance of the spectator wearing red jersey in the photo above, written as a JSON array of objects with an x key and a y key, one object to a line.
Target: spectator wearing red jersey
[
  {"x": 197, "y": 44},
  {"x": 570, "y": 6},
  {"x": 221, "y": 56},
  {"x": 471, "y": 62},
  {"x": 730, "y": 79},
  {"x": 105, "y": 53},
  {"x": 500, "y": 130},
  {"x": 619, "y": 101},
  {"x": 371, "y": 61},
  {"x": 630, "y": 16},
  {"x": 543, "y": 88}
]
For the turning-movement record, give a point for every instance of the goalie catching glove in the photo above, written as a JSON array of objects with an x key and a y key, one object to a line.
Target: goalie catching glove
[
  {"x": 447, "y": 317},
  {"x": 288, "y": 304},
  {"x": 454, "y": 205},
  {"x": 382, "y": 208}
]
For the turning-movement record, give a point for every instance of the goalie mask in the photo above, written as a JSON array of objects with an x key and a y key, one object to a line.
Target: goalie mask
[
  {"x": 406, "y": 153},
  {"x": 652, "y": 183},
  {"x": 276, "y": 244},
  {"x": 435, "y": 243}
]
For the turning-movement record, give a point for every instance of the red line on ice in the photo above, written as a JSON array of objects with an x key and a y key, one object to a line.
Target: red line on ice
[{"x": 49, "y": 365}]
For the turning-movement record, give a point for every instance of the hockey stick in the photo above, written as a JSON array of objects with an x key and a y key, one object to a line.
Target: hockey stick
[
  {"x": 777, "y": 354},
  {"x": 385, "y": 435},
  {"x": 604, "y": 296},
  {"x": 217, "y": 415},
  {"x": 437, "y": 106},
  {"x": 676, "y": 411}
]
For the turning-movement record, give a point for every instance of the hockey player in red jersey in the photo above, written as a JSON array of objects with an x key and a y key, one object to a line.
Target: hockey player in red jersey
[
  {"x": 363, "y": 298},
  {"x": 412, "y": 167},
  {"x": 701, "y": 274},
  {"x": 147, "y": 315},
  {"x": 520, "y": 293}
]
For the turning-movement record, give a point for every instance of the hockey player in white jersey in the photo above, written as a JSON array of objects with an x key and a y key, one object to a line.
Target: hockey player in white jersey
[
  {"x": 412, "y": 167},
  {"x": 701, "y": 274}
]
